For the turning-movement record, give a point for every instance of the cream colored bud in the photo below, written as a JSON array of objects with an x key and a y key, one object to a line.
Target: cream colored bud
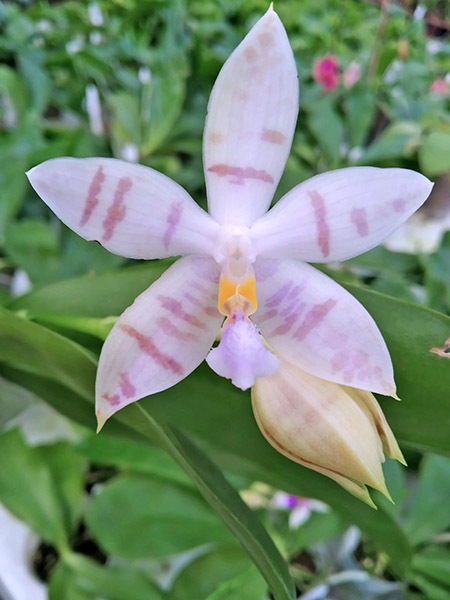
[{"x": 338, "y": 431}]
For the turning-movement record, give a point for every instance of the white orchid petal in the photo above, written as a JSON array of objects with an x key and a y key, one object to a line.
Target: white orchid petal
[
  {"x": 131, "y": 210},
  {"x": 250, "y": 124},
  {"x": 339, "y": 214},
  {"x": 161, "y": 338},
  {"x": 315, "y": 324}
]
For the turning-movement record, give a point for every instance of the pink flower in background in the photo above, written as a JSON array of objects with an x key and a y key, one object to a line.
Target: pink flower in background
[
  {"x": 325, "y": 72},
  {"x": 440, "y": 87},
  {"x": 351, "y": 74}
]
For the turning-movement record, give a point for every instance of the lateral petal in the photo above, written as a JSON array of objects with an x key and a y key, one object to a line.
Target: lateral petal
[
  {"x": 161, "y": 338},
  {"x": 250, "y": 124},
  {"x": 339, "y": 214},
  {"x": 312, "y": 322},
  {"x": 129, "y": 209}
]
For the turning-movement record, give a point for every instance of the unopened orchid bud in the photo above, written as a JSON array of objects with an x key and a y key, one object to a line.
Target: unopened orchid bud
[{"x": 338, "y": 431}]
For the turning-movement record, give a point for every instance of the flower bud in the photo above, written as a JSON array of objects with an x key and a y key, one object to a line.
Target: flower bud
[{"x": 338, "y": 431}]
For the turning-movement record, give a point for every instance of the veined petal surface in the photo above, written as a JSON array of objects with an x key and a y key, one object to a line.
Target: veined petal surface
[
  {"x": 161, "y": 338},
  {"x": 250, "y": 124},
  {"x": 339, "y": 214},
  {"x": 312, "y": 322},
  {"x": 131, "y": 210}
]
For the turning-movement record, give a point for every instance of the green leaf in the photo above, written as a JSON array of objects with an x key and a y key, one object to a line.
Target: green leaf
[
  {"x": 360, "y": 107},
  {"x": 397, "y": 140},
  {"x": 110, "y": 583},
  {"x": 68, "y": 472},
  {"x": 430, "y": 511},
  {"x": 247, "y": 586},
  {"x": 422, "y": 419},
  {"x": 132, "y": 455},
  {"x": 30, "y": 244},
  {"x": 27, "y": 489},
  {"x": 37, "y": 350},
  {"x": 140, "y": 517},
  {"x": 102, "y": 295},
  {"x": 434, "y": 153},
  {"x": 433, "y": 591},
  {"x": 227, "y": 503},
  {"x": 434, "y": 563},
  {"x": 326, "y": 126},
  {"x": 13, "y": 400},
  {"x": 205, "y": 573},
  {"x": 62, "y": 584}
]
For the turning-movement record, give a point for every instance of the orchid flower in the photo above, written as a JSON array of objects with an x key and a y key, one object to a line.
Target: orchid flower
[{"x": 238, "y": 262}]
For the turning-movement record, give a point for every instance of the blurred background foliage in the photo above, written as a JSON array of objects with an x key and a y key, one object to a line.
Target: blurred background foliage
[{"x": 131, "y": 79}]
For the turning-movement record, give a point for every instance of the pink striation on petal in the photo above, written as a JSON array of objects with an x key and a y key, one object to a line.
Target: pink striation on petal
[
  {"x": 314, "y": 318},
  {"x": 278, "y": 296},
  {"x": 173, "y": 219},
  {"x": 320, "y": 213},
  {"x": 92, "y": 198},
  {"x": 240, "y": 173},
  {"x": 176, "y": 309},
  {"x": 358, "y": 217},
  {"x": 273, "y": 136},
  {"x": 148, "y": 347},
  {"x": 117, "y": 210},
  {"x": 128, "y": 389},
  {"x": 172, "y": 330},
  {"x": 399, "y": 205},
  {"x": 113, "y": 400}
]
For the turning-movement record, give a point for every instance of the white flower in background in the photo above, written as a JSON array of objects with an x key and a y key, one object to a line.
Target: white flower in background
[
  {"x": 94, "y": 109},
  {"x": 239, "y": 261}
]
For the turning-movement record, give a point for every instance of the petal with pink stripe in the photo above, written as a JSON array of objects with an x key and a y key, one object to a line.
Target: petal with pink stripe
[
  {"x": 250, "y": 124},
  {"x": 129, "y": 209},
  {"x": 312, "y": 322},
  {"x": 339, "y": 214},
  {"x": 161, "y": 338}
]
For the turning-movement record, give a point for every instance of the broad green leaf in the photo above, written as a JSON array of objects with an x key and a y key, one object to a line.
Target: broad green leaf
[
  {"x": 30, "y": 244},
  {"x": 434, "y": 153},
  {"x": 140, "y": 517},
  {"x": 110, "y": 583},
  {"x": 132, "y": 455},
  {"x": 37, "y": 350},
  {"x": 397, "y": 140},
  {"x": 226, "y": 501},
  {"x": 27, "y": 489},
  {"x": 67, "y": 468},
  {"x": 205, "y": 573},
  {"x": 431, "y": 589},
  {"x": 434, "y": 562},
  {"x": 360, "y": 107},
  {"x": 103, "y": 295},
  {"x": 430, "y": 510},
  {"x": 14, "y": 399},
  {"x": 99, "y": 328},
  {"x": 62, "y": 584},
  {"x": 326, "y": 126},
  {"x": 422, "y": 418},
  {"x": 246, "y": 586}
]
